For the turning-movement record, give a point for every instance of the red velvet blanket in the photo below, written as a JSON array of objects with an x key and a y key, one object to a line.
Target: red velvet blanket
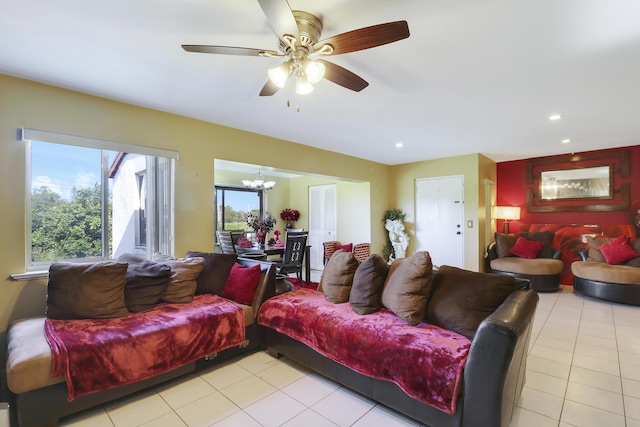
[
  {"x": 98, "y": 354},
  {"x": 424, "y": 360}
]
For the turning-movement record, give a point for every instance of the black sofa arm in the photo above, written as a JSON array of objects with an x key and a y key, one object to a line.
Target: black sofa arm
[
  {"x": 584, "y": 254},
  {"x": 494, "y": 374}
]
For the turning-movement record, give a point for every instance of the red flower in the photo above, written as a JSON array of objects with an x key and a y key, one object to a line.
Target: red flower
[{"x": 289, "y": 215}]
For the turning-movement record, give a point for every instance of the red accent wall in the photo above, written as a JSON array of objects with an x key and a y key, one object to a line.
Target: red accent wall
[{"x": 511, "y": 187}]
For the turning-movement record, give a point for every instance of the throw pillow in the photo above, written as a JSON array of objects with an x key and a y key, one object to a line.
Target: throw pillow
[
  {"x": 146, "y": 281},
  {"x": 215, "y": 273},
  {"x": 544, "y": 237},
  {"x": 594, "y": 243},
  {"x": 633, "y": 262},
  {"x": 241, "y": 284},
  {"x": 337, "y": 277},
  {"x": 184, "y": 273},
  {"x": 618, "y": 251},
  {"x": 347, "y": 248},
  {"x": 86, "y": 291},
  {"x": 368, "y": 280},
  {"x": 407, "y": 287},
  {"x": 526, "y": 248},
  {"x": 462, "y": 299},
  {"x": 504, "y": 242}
]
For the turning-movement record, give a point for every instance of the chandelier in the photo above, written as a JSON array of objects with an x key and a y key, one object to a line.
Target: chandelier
[{"x": 259, "y": 183}]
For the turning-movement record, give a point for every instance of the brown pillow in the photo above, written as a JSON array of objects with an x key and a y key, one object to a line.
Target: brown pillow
[
  {"x": 462, "y": 299},
  {"x": 337, "y": 276},
  {"x": 86, "y": 291},
  {"x": 635, "y": 244},
  {"x": 633, "y": 262},
  {"x": 504, "y": 243},
  {"x": 407, "y": 287},
  {"x": 368, "y": 281},
  {"x": 215, "y": 272},
  {"x": 184, "y": 273},
  {"x": 594, "y": 243},
  {"x": 146, "y": 281},
  {"x": 544, "y": 237}
]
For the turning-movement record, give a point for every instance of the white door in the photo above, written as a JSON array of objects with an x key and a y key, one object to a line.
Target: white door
[
  {"x": 440, "y": 219},
  {"x": 322, "y": 221}
]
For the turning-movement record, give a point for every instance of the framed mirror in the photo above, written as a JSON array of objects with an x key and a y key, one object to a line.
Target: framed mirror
[{"x": 578, "y": 183}]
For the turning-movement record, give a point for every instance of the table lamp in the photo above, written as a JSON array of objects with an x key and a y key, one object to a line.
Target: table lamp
[{"x": 506, "y": 213}]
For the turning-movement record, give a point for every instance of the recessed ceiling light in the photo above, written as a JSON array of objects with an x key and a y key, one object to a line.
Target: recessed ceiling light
[
  {"x": 399, "y": 145},
  {"x": 566, "y": 141},
  {"x": 555, "y": 117}
]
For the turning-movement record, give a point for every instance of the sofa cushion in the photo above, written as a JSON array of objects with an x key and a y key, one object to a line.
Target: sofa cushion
[
  {"x": 368, "y": 281},
  {"x": 215, "y": 273},
  {"x": 525, "y": 248},
  {"x": 460, "y": 300},
  {"x": 407, "y": 287},
  {"x": 603, "y": 272},
  {"x": 241, "y": 284},
  {"x": 184, "y": 273},
  {"x": 544, "y": 237},
  {"x": 504, "y": 242},
  {"x": 633, "y": 262},
  {"x": 618, "y": 251},
  {"x": 594, "y": 243},
  {"x": 86, "y": 291},
  {"x": 337, "y": 277},
  {"x": 537, "y": 266},
  {"x": 146, "y": 281}
]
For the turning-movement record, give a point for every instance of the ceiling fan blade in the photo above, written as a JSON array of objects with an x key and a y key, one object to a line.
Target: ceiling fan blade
[
  {"x": 366, "y": 38},
  {"x": 280, "y": 17},
  {"x": 343, "y": 77},
  {"x": 269, "y": 88},
  {"x": 229, "y": 50}
]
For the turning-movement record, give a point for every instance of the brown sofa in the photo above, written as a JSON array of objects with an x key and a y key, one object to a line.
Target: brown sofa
[
  {"x": 40, "y": 399},
  {"x": 596, "y": 278},
  {"x": 492, "y": 378},
  {"x": 543, "y": 271}
]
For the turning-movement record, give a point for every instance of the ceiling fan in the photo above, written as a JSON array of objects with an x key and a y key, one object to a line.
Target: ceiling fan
[{"x": 298, "y": 34}]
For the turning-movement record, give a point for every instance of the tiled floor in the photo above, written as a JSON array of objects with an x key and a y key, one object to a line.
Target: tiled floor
[{"x": 583, "y": 370}]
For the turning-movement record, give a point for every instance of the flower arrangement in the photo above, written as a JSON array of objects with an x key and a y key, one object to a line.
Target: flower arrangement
[
  {"x": 289, "y": 215},
  {"x": 264, "y": 225}
]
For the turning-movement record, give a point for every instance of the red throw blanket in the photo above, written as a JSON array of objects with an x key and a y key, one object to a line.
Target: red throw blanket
[
  {"x": 424, "y": 360},
  {"x": 98, "y": 354}
]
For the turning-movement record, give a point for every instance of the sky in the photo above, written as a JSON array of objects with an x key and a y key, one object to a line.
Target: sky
[{"x": 61, "y": 167}]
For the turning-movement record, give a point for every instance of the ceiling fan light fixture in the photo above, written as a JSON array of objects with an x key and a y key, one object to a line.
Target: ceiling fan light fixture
[
  {"x": 314, "y": 70},
  {"x": 303, "y": 86},
  {"x": 280, "y": 74}
]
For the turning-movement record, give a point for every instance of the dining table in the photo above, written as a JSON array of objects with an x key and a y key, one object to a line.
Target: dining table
[{"x": 279, "y": 250}]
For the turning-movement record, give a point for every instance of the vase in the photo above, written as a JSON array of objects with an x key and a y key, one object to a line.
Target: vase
[{"x": 260, "y": 237}]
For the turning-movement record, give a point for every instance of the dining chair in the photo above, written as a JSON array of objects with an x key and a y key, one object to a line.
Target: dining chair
[
  {"x": 293, "y": 257},
  {"x": 225, "y": 240}
]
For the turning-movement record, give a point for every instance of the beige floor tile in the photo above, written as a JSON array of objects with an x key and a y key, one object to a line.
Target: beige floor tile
[
  {"x": 541, "y": 403},
  {"x": 275, "y": 409},
  {"x": 596, "y": 397},
  {"x": 596, "y": 379},
  {"x": 578, "y": 414},
  {"x": 208, "y": 410},
  {"x": 526, "y": 418},
  {"x": 225, "y": 375},
  {"x": 342, "y": 407},
  {"x": 248, "y": 391},
  {"x": 137, "y": 409}
]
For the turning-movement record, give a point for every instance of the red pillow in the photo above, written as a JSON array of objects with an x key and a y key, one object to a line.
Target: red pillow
[
  {"x": 347, "y": 248},
  {"x": 618, "y": 250},
  {"x": 525, "y": 248},
  {"x": 241, "y": 284}
]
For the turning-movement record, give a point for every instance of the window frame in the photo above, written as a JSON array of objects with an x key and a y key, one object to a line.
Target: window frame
[
  {"x": 219, "y": 192},
  {"x": 160, "y": 192}
]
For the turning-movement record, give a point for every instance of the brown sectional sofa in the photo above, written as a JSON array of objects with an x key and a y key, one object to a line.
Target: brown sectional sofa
[
  {"x": 40, "y": 399},
  {"x": 492, "y": 378}
]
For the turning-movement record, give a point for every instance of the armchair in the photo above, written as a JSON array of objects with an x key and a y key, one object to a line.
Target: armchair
[{"x": 543, "y": 270}]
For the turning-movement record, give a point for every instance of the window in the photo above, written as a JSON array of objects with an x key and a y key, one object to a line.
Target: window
[
  {"x": 90, "y": 199},
  {"x": 233, "y": 206}
]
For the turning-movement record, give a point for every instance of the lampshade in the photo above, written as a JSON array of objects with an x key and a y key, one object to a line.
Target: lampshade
[
  {"x": 280, "y": 74},
  {"x": 510, "y": 213},
  {"x": 314, "y": 71},
  {"x": 303, "y": 86}
]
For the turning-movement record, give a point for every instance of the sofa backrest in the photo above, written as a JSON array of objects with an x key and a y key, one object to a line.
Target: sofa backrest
[{"x": 266, "y": 285}]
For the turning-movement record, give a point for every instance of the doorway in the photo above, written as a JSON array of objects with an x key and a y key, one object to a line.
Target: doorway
[
  {"x": 440, "y": 218},
  {"x": 322, "y": 221}
]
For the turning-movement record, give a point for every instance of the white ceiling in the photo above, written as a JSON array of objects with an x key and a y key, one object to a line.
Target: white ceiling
[{"x": 474, "y": 76}]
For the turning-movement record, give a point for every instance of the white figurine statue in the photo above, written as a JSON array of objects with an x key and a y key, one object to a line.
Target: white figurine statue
[{"x": 399, "y": 239}]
